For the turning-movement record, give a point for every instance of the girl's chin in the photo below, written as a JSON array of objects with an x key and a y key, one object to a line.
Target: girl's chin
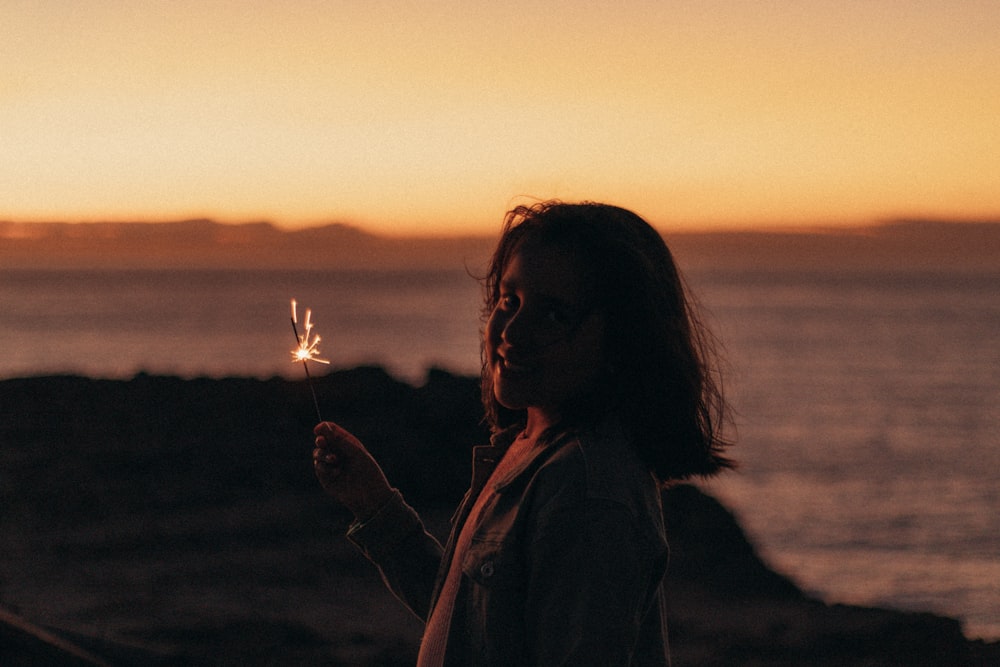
[{"x": 511, "y": 396}]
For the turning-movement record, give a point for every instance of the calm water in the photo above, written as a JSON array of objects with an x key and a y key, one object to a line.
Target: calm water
[{"x": 867, "y": 402}]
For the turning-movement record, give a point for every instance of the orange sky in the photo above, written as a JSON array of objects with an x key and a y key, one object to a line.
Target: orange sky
[{"x": 436, "y": 116}]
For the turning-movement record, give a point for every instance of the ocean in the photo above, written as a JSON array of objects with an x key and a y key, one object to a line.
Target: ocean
[{"x": 866, "y": 402}]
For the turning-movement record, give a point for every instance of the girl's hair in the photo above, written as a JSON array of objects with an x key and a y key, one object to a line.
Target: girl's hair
[{"x": 659, "y": 368}]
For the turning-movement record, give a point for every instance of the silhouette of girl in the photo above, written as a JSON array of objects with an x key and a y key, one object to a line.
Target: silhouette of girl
[{"x": 597, "y": 386}]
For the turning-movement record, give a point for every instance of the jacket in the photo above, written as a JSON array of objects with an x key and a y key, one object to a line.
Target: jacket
[{"x": 565, "y": 566}]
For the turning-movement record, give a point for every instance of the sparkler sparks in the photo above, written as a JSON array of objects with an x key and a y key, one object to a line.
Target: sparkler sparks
[
  {"x": 308, "y": 344},
  {"x": 307, "y": 349}
]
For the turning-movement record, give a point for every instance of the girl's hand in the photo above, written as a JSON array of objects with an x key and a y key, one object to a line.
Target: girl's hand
[{"x": 348, "y": 473}]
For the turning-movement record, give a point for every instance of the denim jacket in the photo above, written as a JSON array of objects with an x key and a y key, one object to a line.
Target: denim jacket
[{"x": 565, "y": 565}]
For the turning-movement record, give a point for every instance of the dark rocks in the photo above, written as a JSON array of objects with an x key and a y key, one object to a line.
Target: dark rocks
[
  {"x": 707, "y": 546},
  {"x": 186, "y": 504}
]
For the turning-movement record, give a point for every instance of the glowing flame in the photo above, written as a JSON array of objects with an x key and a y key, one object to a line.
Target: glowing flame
[{"x": 308, "y": 343}]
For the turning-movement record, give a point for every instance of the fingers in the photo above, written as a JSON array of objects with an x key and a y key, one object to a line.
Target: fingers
[
  {"x": 327, "y": 467},
  {"x": 328, "y": 436},
  {"x": 334, "y": 438},
  {"x": 329, "y": 429},
  {"x": 323, "y": 456},
  {"x": 332, "y": 449}
]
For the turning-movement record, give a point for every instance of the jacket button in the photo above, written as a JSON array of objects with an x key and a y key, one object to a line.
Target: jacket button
[{"x": 486, "y": 569}]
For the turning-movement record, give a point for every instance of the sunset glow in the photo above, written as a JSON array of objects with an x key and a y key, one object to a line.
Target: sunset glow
[{"x": 438, "y": 116}]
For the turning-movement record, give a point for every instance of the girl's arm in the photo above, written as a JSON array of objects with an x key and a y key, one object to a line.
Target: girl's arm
[{"x": 386, "y": 529}]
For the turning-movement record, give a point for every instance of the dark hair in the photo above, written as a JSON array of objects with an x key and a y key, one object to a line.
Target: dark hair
[{"x": 661, "y": 380}]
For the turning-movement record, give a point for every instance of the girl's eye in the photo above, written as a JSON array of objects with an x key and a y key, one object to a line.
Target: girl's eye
[
  {"x": 557, "y": 316},
  {"x": 507, "y": 302}
]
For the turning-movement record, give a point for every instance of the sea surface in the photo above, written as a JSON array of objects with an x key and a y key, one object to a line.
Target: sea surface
[{"x": 867, "y": 403}]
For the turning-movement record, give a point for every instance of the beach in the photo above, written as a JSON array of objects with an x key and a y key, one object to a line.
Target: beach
[{"x": 160, "y": 520}]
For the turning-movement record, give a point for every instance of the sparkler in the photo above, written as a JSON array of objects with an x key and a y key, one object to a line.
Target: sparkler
[{"x": 306, "y": 350}]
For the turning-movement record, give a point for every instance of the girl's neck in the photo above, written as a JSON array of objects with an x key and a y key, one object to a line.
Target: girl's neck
[{"x": 538, "y": 422}]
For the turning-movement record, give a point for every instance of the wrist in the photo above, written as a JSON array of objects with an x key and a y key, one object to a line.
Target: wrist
[{"x": 373, "y": 504}]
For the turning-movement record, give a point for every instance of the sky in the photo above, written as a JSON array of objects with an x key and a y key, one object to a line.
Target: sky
[{"x": 437, "y": 116}]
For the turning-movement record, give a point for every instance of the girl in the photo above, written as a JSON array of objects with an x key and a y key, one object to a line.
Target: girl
[{"x": 596, "y": 384}]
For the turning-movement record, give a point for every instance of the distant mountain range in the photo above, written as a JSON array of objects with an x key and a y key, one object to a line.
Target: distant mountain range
[{"x": 209, "y": 244}]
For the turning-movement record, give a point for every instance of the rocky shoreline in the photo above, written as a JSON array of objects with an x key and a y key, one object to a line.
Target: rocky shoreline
[{"x": 168, "y": 521}]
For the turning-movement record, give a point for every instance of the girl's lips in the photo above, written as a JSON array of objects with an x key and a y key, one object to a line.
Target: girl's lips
[
  {"x": 508, "y": 366},
  {"x": 514, "y": 368}
]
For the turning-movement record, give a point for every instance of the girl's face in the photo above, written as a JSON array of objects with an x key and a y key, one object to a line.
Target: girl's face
[{"x": 545, "y": 337}]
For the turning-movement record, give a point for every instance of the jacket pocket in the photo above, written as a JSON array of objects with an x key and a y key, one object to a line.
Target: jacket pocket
[
  {"x": 495, "y": 578},
  {"x": 490, "y": 563}
]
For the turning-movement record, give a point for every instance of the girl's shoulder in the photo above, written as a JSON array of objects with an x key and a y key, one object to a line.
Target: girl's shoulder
[{"x": 601, "y": 463}]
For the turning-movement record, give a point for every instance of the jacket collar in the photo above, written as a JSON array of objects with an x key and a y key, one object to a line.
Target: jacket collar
[{"x": 486, "y": 458}]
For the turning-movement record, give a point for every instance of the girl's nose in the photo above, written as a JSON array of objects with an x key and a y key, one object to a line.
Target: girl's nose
[
  {"x": 517, "y": 329},
  {"x": 532, "y": 329}
]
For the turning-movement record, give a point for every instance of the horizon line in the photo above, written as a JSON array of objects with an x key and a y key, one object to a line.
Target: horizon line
[{"x": 372, "y": 229}]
